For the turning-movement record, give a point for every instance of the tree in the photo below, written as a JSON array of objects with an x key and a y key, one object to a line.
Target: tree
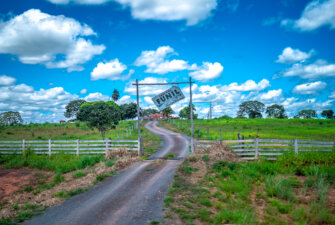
[
  {"x": 101, "y": 115},
  {"x": 253, "y": 109},
  {"x": 276, "y": 111},
  {"x": 329, "y": 114},
  {"x": 167, "y": 111},
  {"x": 128, "y": 111},
  {"x": 116, "y": 95},
  {"x": 73, "y": 107},
  {"x": 307, "y": 114},
  {"x": 186, "y": 114},
  {"x": 10, "y": 118},
  {"x": 148, "y": 112}
]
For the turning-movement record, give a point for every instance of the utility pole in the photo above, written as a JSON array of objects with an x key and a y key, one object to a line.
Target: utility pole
[
  {"x": 138, "y": 120},
  {"x": 210, "y": 110},
  {"x": 191, "y": 112}
]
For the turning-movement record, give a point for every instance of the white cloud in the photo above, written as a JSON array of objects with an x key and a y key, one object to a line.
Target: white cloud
[
  {"x": 125, "y": 99},
  {"x": 93, "y": 97},
  {"x": 147, "y": 90},
  {"x": 316, "y": 14},
  {"x": 111, "y": 70},
  {"x": 317, "y": 70},
  {"x": 309, "y": 88},
  {"x": 271, "y": 94},
  {"x": 249, "y": 85},
  {"x": 290, "y": 55},
  {"x": 7, "y": 80},
  {"x": 332, "y": 95},
  {"x": 156, "y": 61},
  {"x": 193, "y": 11},
  {"x": 56, "y": 41},
  {"x": 83, "y": 91},
  {"x": 51, "y": 84},
  {"x": 208, "y": 71}
]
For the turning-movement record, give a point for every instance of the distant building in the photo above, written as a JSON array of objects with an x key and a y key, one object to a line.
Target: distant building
[
  {"x": 62, "y": 121},
  {"x": 160, "y": 116}
]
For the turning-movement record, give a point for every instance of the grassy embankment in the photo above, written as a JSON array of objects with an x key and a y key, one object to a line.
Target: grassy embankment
[
  {"x": 65, "y": 131},
  {"x": 293, "y": 190},
  {"x": 62, "y": 165},
  {"x": 311, "y": 129}
]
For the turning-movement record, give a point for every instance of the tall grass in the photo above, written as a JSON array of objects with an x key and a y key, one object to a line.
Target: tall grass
[{"x": 314, "y": 129}]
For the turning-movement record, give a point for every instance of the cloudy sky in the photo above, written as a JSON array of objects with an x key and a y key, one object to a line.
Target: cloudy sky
[{"x": 55, "y": 51}]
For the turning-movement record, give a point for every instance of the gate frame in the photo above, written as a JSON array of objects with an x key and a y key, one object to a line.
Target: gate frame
[{"x": 140, "y": 149}]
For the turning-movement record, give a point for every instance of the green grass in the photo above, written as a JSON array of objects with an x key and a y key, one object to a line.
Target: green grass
[
  {"x": 59, "y": 163},
  {"x": 65, "y": 131},
  {"x": 78, "y": 174},
  {"x": 224, "y": 194},
  {"x": 313, "y": 129}
]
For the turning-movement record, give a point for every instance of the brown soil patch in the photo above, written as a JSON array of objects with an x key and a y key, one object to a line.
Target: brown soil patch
[
  {"x": 47, "y": 197},
  {"x": 331, "y": 198},
  {"x": 258, "y": 203},
  {"x": 12, "y": 180}
]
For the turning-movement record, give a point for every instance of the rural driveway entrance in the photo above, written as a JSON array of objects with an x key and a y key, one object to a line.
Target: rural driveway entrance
[{"x": 134, "y": 196}]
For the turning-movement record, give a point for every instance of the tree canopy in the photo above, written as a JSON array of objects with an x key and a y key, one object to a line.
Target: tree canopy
[
  {"x": 101, "y": 115},
  {"x": 186, "y": 113},
  {"x": 329, "y": 114},
  {"x": 128, "y": 111},
  {"x": 167, "y": 111},
  {"x": 148, "y": 112},
  {"x": 276, "y": 111},
  {"x": 116, "y": 95},
  {"x": 253, "y": 109},
  {"x": 10, "y": 118},
  {"x": 307, "y": 114},
  {"x": 72, "y": 108}
]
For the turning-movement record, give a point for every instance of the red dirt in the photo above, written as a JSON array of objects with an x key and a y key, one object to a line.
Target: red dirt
[{"x": 12, "y": 180}]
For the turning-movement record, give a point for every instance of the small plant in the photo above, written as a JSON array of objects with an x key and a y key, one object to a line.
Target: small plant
[
  {"x": 168, "y": 201},
  {"x": 170, "y": 155},
  {"x": 205, "y": 158},
  {"x": 59, "y": 178},
  {"x": 27, "y": 188},
  {"x": 78, "y": 174}
]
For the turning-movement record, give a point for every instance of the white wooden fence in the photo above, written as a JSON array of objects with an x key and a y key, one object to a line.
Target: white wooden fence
[
  {"x": 78, "y": 147},
  {"x": 270, "y": 148}
]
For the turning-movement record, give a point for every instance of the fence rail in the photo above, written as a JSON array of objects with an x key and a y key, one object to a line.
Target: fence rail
[
  {"x": 78, "y": 147},
  {"x": 269, "y": 148}
]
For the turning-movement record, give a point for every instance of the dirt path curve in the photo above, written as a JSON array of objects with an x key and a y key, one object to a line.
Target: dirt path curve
[{"x": 134, "y": 196}]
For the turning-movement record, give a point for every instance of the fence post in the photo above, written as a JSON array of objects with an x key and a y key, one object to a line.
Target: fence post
[
  {"x": 127, "y": 131},
  {"x": 220, "y": 136},
  {"x": 108, "y": 142},
  {"x": 49, "y": 147},
  {"x": 118, "y": 137},
  {"x": 78, "y": 147},
  {"x": 256, "y": 149},
  {"x": 296, "y": 146},
  {"x": 23, "y": 146},
  {"x": 242, "y": 142}
]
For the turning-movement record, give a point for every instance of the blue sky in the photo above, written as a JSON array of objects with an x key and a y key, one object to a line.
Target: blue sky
[{"x": 55, "y": 51}]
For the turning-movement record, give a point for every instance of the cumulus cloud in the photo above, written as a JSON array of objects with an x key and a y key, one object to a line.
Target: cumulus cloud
[
  {"x": 332, "y": 95},
  {"x": 83, "y": 91},
  {"x": 319, "y": 69},
  {"x": 316, "y": 14},
  {"x": 35, "y": 105},
  {"x": 249, "y": 85},
  {"x": 55, "y": 41},
  {"x": 93, "y": 97},
  {"x": 309, "y": 88},
  {"x": 7, "y": 80},
  {"x": 147, "y": 90},
  {"x": 156, "y": 61},
  {"x": 271, "y": 94},
  {"x": 111, "y": 70},
  {"x": 125, "y": 100},
  {"x": 193, "y": 11},
  {"x": 290, "y": 55},
  {"x": 207, "y": 71}
]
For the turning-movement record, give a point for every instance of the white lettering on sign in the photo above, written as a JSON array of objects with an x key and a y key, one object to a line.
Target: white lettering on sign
[{"x": 168, "y": 97}]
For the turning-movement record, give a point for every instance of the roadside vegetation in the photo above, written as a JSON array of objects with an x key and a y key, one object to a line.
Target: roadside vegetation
[
  {"x": 311, "y": 129},
  {"x": 215, "y": 187}
]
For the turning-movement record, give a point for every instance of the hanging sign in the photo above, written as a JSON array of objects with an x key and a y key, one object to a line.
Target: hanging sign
[{"x": 168, "y": 97}]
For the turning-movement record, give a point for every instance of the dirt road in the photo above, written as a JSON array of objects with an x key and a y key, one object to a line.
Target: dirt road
[{"x": 134, "y": 196}]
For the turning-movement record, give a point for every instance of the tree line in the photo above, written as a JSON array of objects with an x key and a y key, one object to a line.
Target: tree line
[{"x": 254, "y": 109}]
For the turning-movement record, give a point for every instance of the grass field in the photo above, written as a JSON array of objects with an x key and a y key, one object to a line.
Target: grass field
[
  {"x": 308, "y": 129},
  {"x": 292, "y": 190},
  {"x": 64, "y": 131}
]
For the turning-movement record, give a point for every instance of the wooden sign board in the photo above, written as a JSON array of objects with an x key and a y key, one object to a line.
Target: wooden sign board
[{"x": 168, "y": 97}]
